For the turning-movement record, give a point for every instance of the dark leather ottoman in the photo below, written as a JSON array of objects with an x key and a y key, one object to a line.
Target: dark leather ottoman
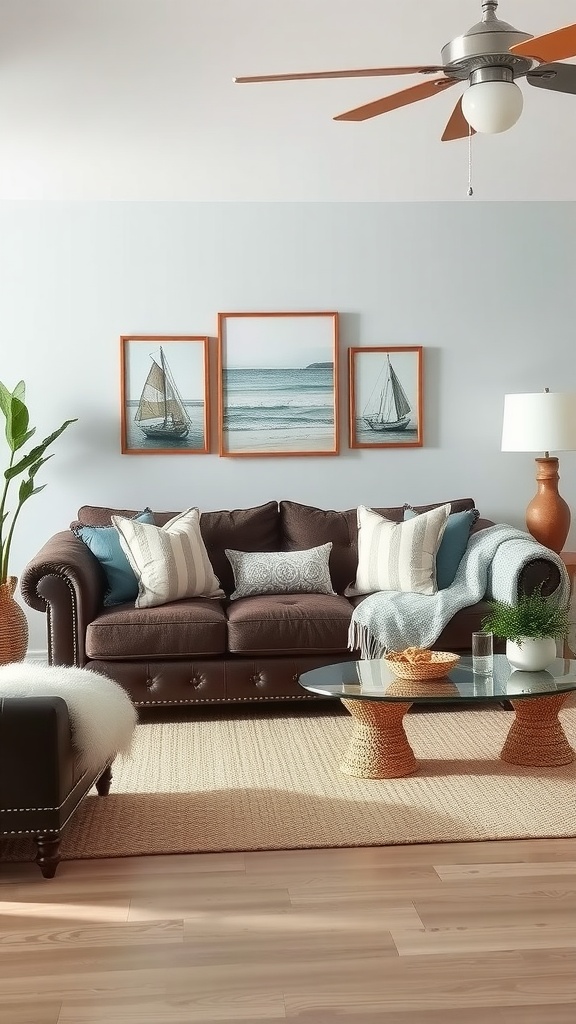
[{"x": 40, "y": 784}]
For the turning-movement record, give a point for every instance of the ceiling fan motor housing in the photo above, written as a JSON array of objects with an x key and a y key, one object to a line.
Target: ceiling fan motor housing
[{"x": 486, "y": 46}]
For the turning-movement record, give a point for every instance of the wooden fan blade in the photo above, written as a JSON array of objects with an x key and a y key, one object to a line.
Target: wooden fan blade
[
  {"x": 397, "y": 99},
  {"x": 417, "y": 69},
  {"x": 558, "y": 45},
  {"x": 457, "y": 127},
  {"x": 556, "y": 77}
]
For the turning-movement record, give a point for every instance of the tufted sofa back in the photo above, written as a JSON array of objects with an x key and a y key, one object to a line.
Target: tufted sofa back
[
  {"x": 303, "y": 526},
  {"x": 287, "y": 526},
  {"x": 246, "y": 529}
]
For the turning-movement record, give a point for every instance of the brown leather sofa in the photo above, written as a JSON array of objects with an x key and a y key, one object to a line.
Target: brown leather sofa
[
  {"x": 40, "y": 782},
  {"x": 202, "y": 651}
]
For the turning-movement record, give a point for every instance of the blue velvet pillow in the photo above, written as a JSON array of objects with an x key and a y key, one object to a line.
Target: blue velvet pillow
[
  {"x": 104, "y": 543},
  {"x": 453, "y": 543}
]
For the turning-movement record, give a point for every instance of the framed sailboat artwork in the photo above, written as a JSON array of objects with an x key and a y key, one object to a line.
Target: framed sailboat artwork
[
  {"x": 164, "y": 394},
  {"x": 385, "y": 393}
]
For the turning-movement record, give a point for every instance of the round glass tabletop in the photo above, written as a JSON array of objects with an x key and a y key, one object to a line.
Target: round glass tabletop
[{"x": 375, "y": 681}]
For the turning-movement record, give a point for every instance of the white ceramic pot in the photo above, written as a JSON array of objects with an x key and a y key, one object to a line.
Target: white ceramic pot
[{"x": 532, "y": 655}]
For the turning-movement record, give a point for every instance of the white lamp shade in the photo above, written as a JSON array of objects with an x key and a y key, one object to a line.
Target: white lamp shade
[
  {"x": 543, "y": 422},
  {"x": 492, "y": 107}
]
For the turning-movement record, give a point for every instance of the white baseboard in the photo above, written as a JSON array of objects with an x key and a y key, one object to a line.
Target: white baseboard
[{"x": 37, "y": 657}]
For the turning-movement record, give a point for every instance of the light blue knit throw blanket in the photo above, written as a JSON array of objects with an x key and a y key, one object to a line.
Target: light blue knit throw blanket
[{"x": 490, "y": 568}]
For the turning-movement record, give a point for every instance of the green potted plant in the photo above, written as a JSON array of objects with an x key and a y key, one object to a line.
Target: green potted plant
[
  {"x": 530, "y": 627},
  {"x": 13, "y": 623}
]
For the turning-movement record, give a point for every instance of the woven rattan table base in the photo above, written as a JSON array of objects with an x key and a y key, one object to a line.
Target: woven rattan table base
[
  {"x": 536, "y": 737},
  {"x": 378, "y": 747}
]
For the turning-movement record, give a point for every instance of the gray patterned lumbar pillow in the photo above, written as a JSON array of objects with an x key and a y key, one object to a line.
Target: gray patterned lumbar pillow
[{"x": 281, "y": 572}]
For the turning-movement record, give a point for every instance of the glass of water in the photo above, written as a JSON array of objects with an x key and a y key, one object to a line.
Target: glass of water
[{"x": 482, "y": 653}]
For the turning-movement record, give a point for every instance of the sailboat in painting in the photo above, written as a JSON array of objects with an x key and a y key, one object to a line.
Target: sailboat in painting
[
  {"x": 161, "y": 414},
  {"x": 391, "y": 410}
]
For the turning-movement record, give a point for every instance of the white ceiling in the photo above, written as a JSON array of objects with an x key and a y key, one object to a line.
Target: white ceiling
[{"x": 134, "y": 99}]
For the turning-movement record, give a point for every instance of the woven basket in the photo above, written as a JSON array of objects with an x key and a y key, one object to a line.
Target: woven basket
[
  {"x": 13, "y": 625},
  {"x": 442, "y": 662}
]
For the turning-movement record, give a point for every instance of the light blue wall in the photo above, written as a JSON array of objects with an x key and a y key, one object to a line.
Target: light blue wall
[{"x": 486, "y": 288}]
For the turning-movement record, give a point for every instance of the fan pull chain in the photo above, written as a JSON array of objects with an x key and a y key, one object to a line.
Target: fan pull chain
[{"x": 470, "y": 189}]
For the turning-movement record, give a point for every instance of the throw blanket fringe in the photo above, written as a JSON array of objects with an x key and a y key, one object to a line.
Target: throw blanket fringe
[
  {"x": 361, "y": 639},
  {"x": 491, "y": 567}
]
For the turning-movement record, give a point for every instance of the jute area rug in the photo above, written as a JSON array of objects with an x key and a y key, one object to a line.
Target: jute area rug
[{"x": 271, "y": 781}]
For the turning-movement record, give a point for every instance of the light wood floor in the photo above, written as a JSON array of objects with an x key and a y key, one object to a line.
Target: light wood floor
[{"x": 469, "y": 933}]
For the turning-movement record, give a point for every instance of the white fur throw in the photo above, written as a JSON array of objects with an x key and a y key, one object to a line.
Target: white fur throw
[{"x": 102, "y": 715}]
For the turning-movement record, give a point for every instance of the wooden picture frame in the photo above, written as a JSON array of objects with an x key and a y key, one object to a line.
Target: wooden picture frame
[
  {"x": 385, "y": 397},
  {"x": 278, "y": 384},
  {"x": 165, "y": 399}
]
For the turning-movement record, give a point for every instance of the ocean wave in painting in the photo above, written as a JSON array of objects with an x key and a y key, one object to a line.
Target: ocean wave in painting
[{"x": 298, "y": 401}]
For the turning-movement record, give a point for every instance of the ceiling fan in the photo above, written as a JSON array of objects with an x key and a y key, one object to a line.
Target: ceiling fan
[{"x": 489, "y": 57}]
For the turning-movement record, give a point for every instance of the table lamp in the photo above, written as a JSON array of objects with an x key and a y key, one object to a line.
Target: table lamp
[{"x": 543, "y": 422}]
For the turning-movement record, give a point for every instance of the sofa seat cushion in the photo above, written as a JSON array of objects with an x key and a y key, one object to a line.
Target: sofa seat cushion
[
  {"x": 195, "y": 627},
  {"x": 289, "y": 624}
]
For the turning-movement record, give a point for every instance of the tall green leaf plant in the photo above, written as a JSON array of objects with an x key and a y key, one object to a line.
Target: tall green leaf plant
[{"x": 18, "y": 433}]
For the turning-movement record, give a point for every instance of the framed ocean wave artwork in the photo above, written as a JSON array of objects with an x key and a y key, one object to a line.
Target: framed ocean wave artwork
[
  {"x": 278, "y": 384},
  {"x": 164, "y": 394},
  {"x": 385, "y": 397}
]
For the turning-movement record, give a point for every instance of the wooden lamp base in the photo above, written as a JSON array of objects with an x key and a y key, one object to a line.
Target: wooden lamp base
[{"x": 548, "y": 515}]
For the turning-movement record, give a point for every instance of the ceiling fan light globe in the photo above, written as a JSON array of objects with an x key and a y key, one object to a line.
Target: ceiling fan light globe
[{"x": 492, "y": 107}]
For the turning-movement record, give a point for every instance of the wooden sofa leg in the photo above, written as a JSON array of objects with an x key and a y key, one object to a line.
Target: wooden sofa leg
[
  {"x": 103, "y": 783},
  {"x": 48, "y": 855}
]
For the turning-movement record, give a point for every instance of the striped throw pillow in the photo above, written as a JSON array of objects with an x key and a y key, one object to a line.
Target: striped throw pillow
[
  {"x": 170, "y": 562},
  {"x": 398, "y": 556}
]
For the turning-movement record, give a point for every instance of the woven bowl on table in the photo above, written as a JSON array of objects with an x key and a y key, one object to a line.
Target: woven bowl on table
[{"x": 442, "y": 662}]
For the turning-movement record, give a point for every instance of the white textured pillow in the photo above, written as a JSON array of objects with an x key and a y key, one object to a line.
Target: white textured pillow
[
  {"x": 281, "y": 572},
  {"x": 170, "y": 562},
  {"x": 398, "y": 556}
]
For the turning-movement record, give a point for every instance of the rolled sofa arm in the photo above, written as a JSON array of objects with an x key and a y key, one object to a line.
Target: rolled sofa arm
[
  {"x": 539, "y": 572},
  {"x": 66, "y": 581},
  {"x": 519, "y": 566}
]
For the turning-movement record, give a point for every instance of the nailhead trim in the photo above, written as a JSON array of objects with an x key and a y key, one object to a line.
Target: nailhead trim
[
  {"x": 28, "y": 831},
  {"x": 221, "y": 700},
  {"x": 68, "y": 582},
  {"x": 7, "y": 810},
  {"x": 146, "y": 703}
]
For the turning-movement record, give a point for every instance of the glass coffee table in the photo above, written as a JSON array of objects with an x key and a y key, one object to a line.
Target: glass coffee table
[{"x": 378, "y": 701}]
